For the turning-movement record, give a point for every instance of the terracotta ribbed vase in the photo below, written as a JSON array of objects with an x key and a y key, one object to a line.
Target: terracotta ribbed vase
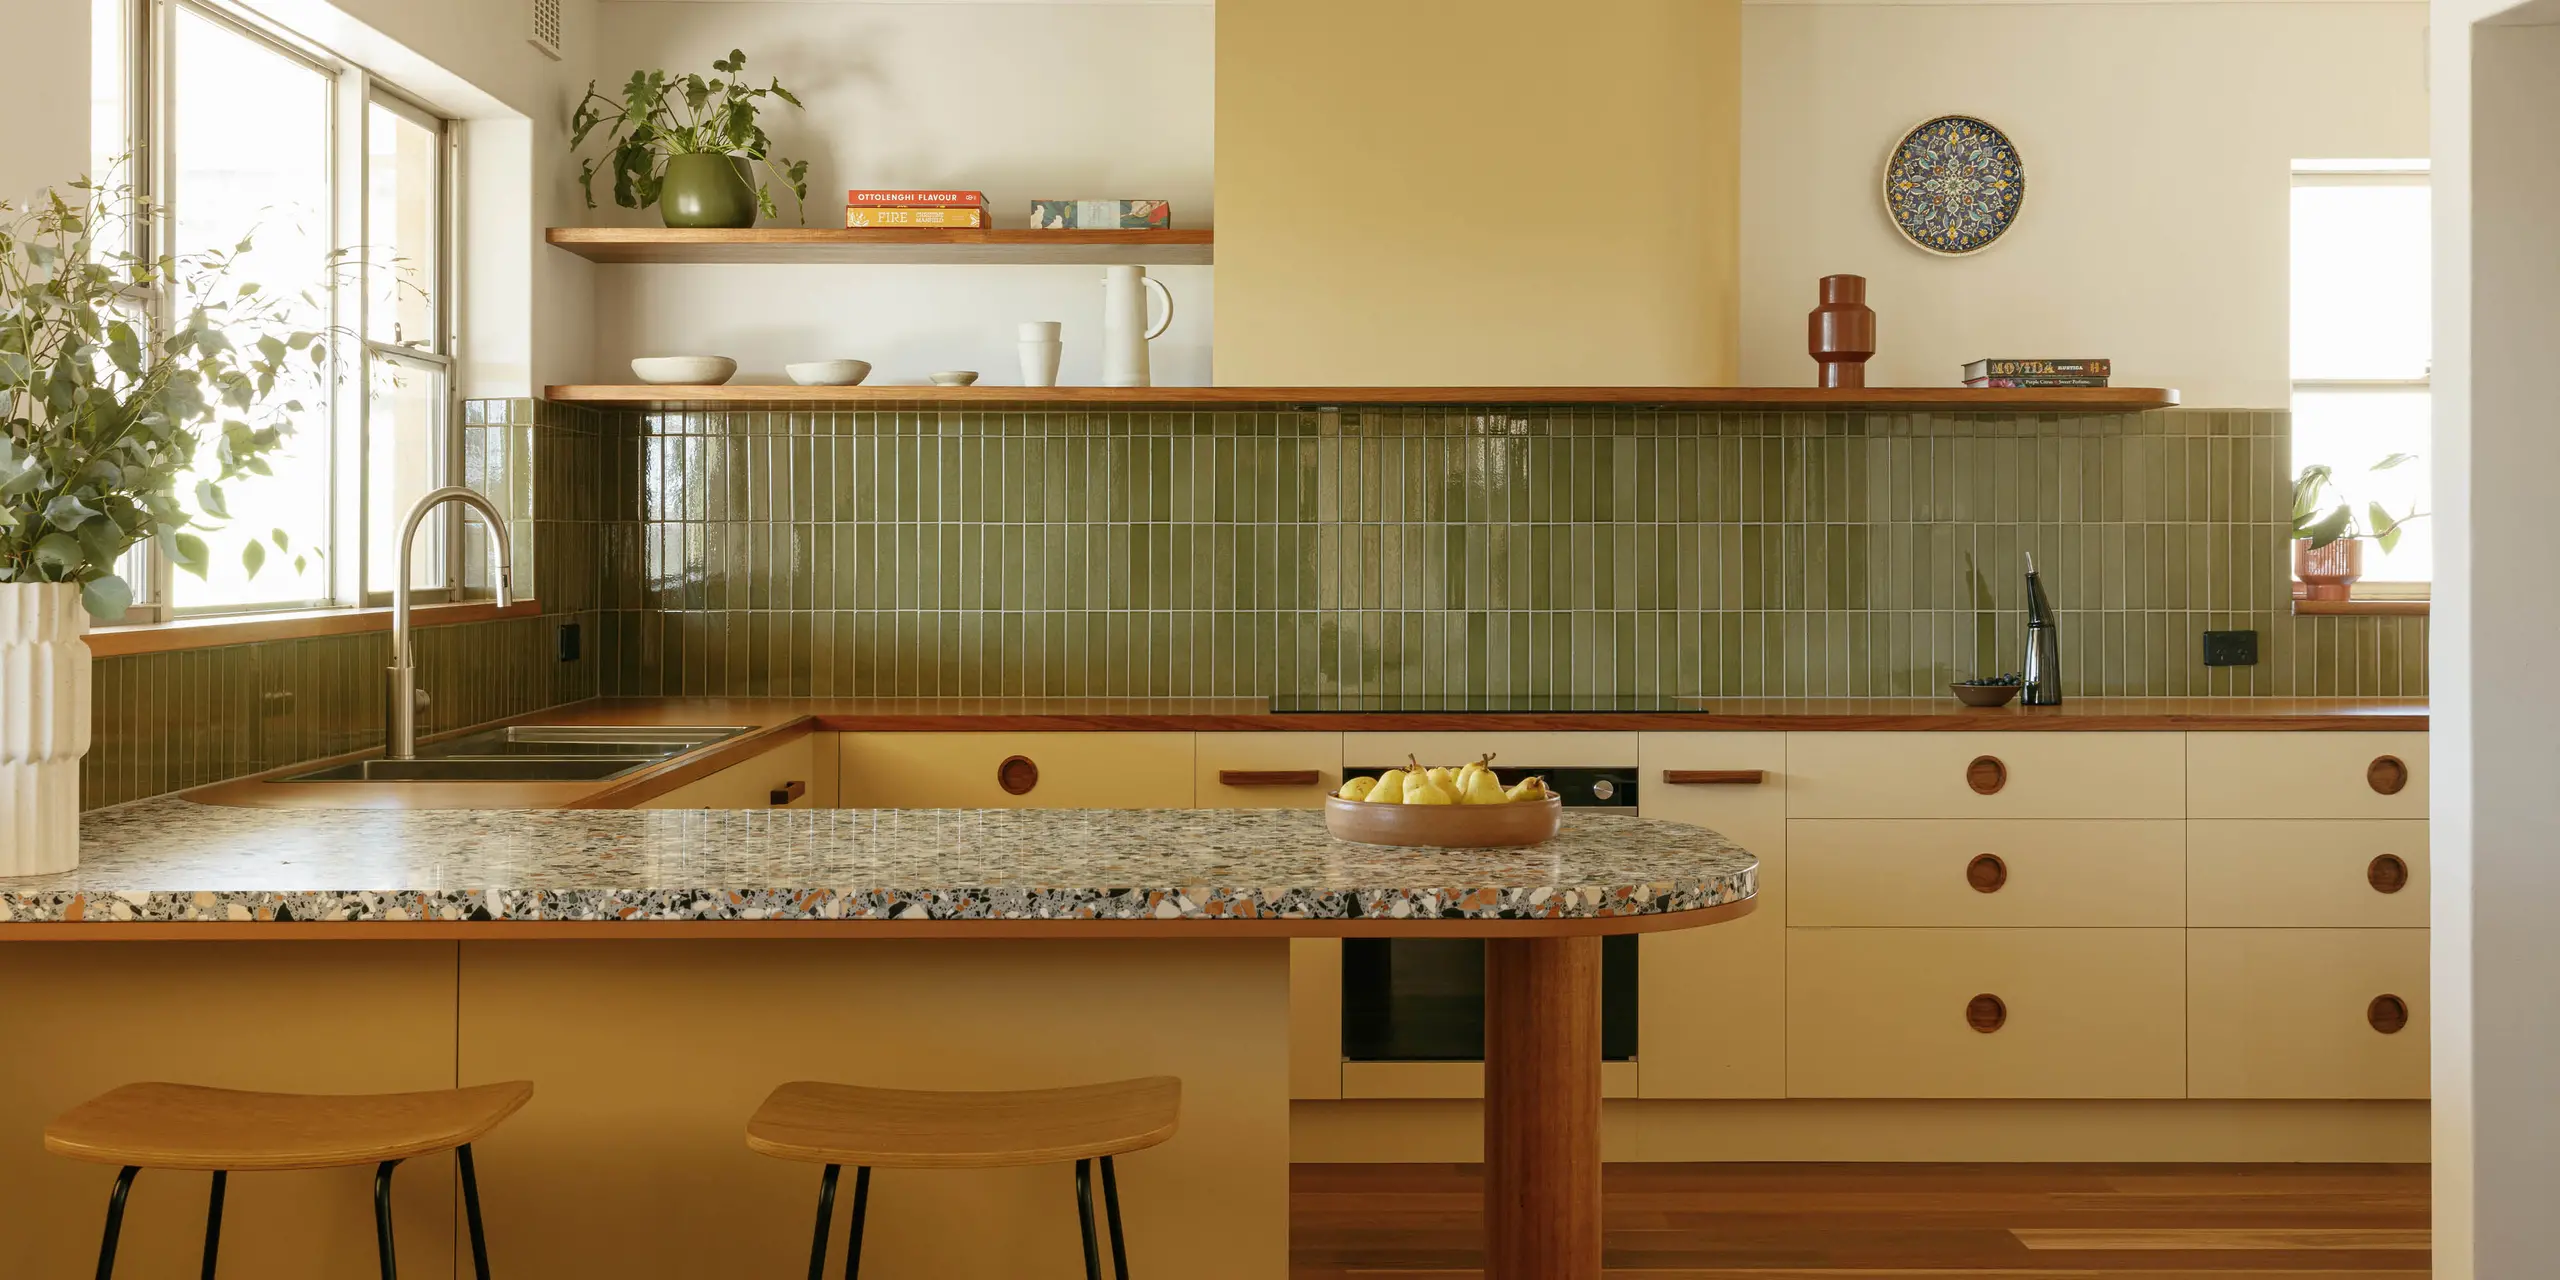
[
  {"x": 1841, "y": 333},
  {"x": 44, "y": 726}
]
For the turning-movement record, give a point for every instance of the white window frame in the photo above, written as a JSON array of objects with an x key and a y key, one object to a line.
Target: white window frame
[
  {"x": 150, "y": 26},
  {"x": 2370, "y": 173}
]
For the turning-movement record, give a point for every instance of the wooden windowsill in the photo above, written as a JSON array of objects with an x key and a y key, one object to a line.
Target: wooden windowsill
[
  {"x": 208, "y": 633},
  {"x": 2360, "y": 608}
]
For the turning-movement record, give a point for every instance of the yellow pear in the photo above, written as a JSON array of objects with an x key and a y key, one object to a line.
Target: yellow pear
[
  {"x": 1483, "y": 788},
  {"x": 1390, "y": 788},
  {"x": 1355, "y": 788},
  {"x": 1527, "y": 789},
  {"x": 1420, "y": 789},
  {"x": 1440, "y": 777}
]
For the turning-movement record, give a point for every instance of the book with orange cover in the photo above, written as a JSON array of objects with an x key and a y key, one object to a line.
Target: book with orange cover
[
  {"x": 916, "y": 199},
  {"x": 865, "y": 216}
]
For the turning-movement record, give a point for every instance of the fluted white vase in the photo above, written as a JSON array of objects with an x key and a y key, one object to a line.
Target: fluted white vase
[{"x": 44, "y": 726}]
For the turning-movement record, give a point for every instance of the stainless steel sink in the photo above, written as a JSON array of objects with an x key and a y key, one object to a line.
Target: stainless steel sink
[{"x": 533, "y": 753}]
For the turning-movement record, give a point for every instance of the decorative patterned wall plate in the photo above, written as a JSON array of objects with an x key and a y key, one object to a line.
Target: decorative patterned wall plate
[{"x": 1954, "y": 184}]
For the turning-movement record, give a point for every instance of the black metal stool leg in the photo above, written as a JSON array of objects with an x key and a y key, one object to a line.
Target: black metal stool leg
[
  {"x": 826, "y": 1215},
  {"x": 382, "y": 1219},
  {"x": 471, "y": 1209},
  {"x": 1084, "y": 1212},
  {"x": 213, "y": 1224},
  {"x": 1111, "y": 1210},
  {"x": 853, "y": 1240},
  {"x": 115, "y": 1221}
]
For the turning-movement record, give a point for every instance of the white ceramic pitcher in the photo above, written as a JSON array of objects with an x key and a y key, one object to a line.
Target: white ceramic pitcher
[{"x": 1125, "y": 331}]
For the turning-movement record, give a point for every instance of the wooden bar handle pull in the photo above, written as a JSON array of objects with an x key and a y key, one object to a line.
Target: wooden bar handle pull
[
  {"x": 1715, "y": 777},
  {"x": 1986, "y": 1013},
  {"x": 788, "y": 792},
  {"x": 2386, "y": 775},
  {"x": 1017, "y": 775},
  {"x": 1986, "y": 775},
  {"x": 2387, "y": 1014},
  {"x": 1269, "y": 777},
  {"x": 2387, "y": 873},
  {"x": 1986, "y": 873}
]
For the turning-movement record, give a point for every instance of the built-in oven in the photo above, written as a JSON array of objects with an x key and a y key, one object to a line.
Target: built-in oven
[{"x": 1422, "y": 999}]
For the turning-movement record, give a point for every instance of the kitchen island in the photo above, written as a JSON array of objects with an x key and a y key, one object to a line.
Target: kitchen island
[{"x": 655, "y": 971}]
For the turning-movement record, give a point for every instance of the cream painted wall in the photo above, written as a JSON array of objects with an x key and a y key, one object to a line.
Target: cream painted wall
[
  {"x": 2158, "y": 139},
  {"x": 1393, "y": 178},
  {"x": 1018, "y": 100},
  {"x": 45, "y": 98}
]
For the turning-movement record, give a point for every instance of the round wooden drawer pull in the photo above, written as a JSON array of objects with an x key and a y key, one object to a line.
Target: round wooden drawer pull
[
  {"x": 2387, "y": 873},
  {"x": 2386, "y": 775},
  {"x": 1986, "y": 873},
  {"x": 1017, "y": 775},
  {"x": 1986, "y": 775},
  {"x": 2387, "y": 1014},
  {"x": 1986, "y": 1013}
]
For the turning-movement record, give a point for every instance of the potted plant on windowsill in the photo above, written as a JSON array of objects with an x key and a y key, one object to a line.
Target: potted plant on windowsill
[
  {"x": 688, "y": 144},
  {"x": 103, "y": 423},
  {"x": 2329, "y": 535}
]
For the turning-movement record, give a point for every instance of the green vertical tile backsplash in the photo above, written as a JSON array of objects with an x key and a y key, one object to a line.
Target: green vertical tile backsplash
[{"x": 1308, "y": 553}]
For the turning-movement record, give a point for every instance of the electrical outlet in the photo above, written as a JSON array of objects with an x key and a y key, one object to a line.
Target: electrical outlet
[
  {"x": 2231, "y": 648},
  {"x": 568, "y": 641}
]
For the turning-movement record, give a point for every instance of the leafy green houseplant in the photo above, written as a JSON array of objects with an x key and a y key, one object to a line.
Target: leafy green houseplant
[
  {"x": 2330, "y": 533},
  {"x": 689, "y": 144},
  {"x": 102, "y": 422}
]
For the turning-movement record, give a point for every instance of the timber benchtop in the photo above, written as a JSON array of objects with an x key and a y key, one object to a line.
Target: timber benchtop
[{"x": 212, "y": 871}]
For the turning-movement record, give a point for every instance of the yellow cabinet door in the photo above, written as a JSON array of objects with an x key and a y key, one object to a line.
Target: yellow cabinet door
[
  {"x": 1986, "y": 775},
  {"x": 1064, "y": 770},
  {"x": 2306, "y": 775},
  {"x": 1711, "y": 1003},
  {"x": 2307, "y": 1013},
  {"x": 1315, "y": 1017},
  {"x": 2014, "y": 873},
  {"x": 2306, "y": 873},
  {"x": 1265, "y": 770},
  {"x": 752, "y": 784},
  {"x": 1986, "y": 1013}
]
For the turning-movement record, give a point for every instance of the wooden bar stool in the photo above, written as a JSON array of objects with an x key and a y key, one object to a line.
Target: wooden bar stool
[
  {"x": 842, "y": 1124},
  {"x": 219, "y": 1131}
]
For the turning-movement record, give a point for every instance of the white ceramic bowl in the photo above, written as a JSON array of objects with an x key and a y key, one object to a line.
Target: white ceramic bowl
[
  {"x": 955, "y": 377},
  {"x": 829, "y": 373},
  {"x": 690, "y": 371}
]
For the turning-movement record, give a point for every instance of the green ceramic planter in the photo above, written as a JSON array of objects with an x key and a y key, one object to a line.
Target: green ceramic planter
[{"x": 707, "y": 190}]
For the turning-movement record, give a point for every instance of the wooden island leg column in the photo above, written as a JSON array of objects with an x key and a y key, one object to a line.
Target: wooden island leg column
[{"x": 1542, "y": 1108}]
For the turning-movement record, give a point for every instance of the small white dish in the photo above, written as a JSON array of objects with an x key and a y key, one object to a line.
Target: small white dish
[
  {"x": 689, "y": 371},
  {"x": 829, "y": 373},
  {"x": 955, "y": 377}
]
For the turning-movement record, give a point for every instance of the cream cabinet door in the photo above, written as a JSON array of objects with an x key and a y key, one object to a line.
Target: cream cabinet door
[
  {"x": 2307, "y": 775},
  {"x": 2015, "y": 873},
  {"x": 1265, "y": 770},
  {"x": 1986, "y": 1013},
  {"x": 1528, "y": 750},
  {"x": 2306, "y": 873},
  {"x": 1712, "y": 1001},
  {"x": 789, "y": 770},
  {"x": 1986, "y": 775},
  {"x": 2307, "y": 1013},
  {"x": 1064, "y": 770}
]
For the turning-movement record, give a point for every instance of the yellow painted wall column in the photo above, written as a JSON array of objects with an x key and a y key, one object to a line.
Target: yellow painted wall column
[{"x": 1498, "y": 192}]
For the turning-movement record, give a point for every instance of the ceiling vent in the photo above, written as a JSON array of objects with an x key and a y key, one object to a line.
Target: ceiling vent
[{"x": 545, "y": 34}]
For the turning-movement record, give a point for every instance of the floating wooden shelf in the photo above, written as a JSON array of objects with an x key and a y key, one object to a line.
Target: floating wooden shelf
[
  {"x": 1908, "y": 399},
  {"x": 920, "y": 245}
]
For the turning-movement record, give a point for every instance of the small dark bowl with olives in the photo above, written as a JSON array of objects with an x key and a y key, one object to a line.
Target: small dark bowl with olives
[{"x": 1988, "y": 691}]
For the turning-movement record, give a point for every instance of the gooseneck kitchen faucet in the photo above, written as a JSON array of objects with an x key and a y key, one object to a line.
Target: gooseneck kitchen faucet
[{"x": 401, "y": 737}]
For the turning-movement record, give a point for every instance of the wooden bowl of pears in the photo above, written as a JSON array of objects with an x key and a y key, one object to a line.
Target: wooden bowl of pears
[{"x": 1441, "y": 808}]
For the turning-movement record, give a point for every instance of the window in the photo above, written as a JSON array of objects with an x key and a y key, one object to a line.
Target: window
[
  {"x": 341, "y": 185},
  {"x": 2362, "y": 346}
]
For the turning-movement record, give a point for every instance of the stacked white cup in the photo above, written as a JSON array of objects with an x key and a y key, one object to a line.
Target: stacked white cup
[{"x": 1040, "y": 347}]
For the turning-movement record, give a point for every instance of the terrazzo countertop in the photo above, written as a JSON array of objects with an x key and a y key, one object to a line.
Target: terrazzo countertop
[{"x": 172, "y": 860}]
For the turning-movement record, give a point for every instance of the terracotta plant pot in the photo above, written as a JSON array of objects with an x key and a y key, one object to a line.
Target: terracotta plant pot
[{"x": 2329, "y": 573}]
